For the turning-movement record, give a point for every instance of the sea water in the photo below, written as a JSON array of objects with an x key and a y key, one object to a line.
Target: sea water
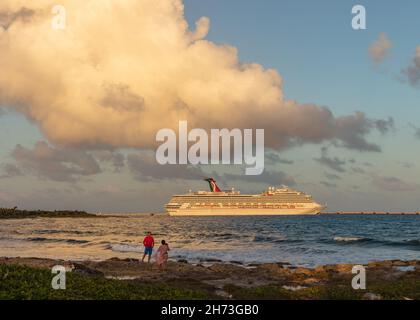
[{"x": 299, "y": 240}]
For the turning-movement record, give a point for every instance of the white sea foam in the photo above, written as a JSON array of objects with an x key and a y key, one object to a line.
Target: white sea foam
[
  {"x": 125, "y": 248},
  {"x": 348, "y": 239}
]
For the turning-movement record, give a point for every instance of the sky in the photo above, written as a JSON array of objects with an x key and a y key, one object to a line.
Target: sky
[{"x": 80, "y": 107}]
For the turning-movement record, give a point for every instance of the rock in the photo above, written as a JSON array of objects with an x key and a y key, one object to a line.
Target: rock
[
  {"x": 344, "y": 268},
  {"x": 311, "y": 281},
  {"x": 405, "y": 268},
  {"x": 223, "y": 294},
  {"x": 304, "y": 271},
  {"x": 376, "y": 264},
  {"x": 254, "y": 265},
  {"x": 82, "y": 269},
  {"x": 227, "y": 268},
  {"x": 211, "y": 260},
  {"x": 399, "y": 263},
  {"x": 414, "y": 263},
  {"x": 130, "y": 260},
  {"x": 114, "y": 259},
  {"x": 272, "y": 269},
  {"x": 371, "y": 296},
  {"x": 326, "y": 269},
  {"x": 182, "y": 261},
  {"x": 293, "y": 288},
  {"x": 320, "y": 269}
]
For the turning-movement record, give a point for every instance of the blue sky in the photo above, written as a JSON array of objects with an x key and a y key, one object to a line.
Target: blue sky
[
  {"x": 306, "y": 40},
  {"x": 321, "y": 60}
]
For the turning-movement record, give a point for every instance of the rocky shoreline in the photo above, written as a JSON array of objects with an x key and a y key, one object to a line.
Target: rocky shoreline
[{"x": 394, "y": 279}]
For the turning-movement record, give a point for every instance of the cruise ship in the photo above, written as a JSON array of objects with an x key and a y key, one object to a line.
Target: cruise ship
[{"x": 273, "y": 201}]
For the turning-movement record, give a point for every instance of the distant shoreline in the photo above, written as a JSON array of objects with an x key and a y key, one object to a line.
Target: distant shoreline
[
  {"x": 379, "y": 213},
  {"x": 14, "y": 213},
  {"x": 22, "y": 214}
]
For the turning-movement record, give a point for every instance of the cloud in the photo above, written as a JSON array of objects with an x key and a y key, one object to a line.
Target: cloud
[
  {"x": 274, "y": 158},
  {"x": 384, "y": 126},
  {"x": 328, "y": 184},
  {"x": 378, "y": 50},
  {"x": 393, "y": 184},
  {"x": 55, "y": 164},
  {"x": 116, "y": 159},
  {"x": 7, "y": 18},
  {"x": 10, "y": 170},
  {"x": 412, "y": 72},
  {"x": 144, "y": 167},
  {"x": 332, "y": 176},
  {"x": 333, "y": 163},
  {"x": 274, "y": 178},
  {"x": 416, "y": 130},
  {"x": 97, "y": 83},
  {"x": 120, "y": 98},
  {"x": 358, "y": 170},
  {"x": 407, "y": 165},
  {"x": 352, "y": 129},
  {"x": 285, "y": 161}
]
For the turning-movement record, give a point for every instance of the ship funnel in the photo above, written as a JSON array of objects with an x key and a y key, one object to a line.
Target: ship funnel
[{"x": 213, "y": 186}]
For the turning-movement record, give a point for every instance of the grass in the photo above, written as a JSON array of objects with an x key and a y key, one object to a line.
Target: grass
[
  {"x": 406, "y": 288},
  {"x": 25, "y": 283},
  {"x": 273, "y": 292},
  {"x": 388, "y": 290}
]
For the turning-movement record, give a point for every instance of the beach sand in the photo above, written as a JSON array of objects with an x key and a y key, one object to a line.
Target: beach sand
[{"x": 130, "y": 279}]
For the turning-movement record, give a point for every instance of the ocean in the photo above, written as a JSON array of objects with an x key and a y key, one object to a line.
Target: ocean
[{"x": 300, "y": 240}]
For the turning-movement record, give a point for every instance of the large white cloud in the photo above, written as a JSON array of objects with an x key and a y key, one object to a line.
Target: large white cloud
[{"x": 122, "y": 70}]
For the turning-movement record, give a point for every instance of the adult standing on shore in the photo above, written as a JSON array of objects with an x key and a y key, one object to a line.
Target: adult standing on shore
[
  {"x": 162, "y": 255},
  {"x": 148, "y": 243}
]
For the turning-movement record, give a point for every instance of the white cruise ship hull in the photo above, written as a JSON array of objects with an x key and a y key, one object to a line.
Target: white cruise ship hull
[{"x": 244, "y": 212}]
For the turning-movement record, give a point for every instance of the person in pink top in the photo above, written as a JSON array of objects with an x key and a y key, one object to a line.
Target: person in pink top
[{"x": 162, "y": 255}]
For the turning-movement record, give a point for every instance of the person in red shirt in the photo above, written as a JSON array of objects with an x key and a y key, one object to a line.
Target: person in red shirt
[{"x": 148, "y": 243}]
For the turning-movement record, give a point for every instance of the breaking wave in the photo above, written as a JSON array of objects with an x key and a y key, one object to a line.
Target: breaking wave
[
  {"x": 350, "y": 239},
  {"x": 124, "y": 247},
  {"x": 71, "y": 241}
]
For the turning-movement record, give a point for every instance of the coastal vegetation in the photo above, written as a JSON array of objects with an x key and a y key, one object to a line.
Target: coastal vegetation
[
  {"x": 30, "y": 278},
  {"x": 15, "y": 213},
  {"x": 28, "y": 283}
]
